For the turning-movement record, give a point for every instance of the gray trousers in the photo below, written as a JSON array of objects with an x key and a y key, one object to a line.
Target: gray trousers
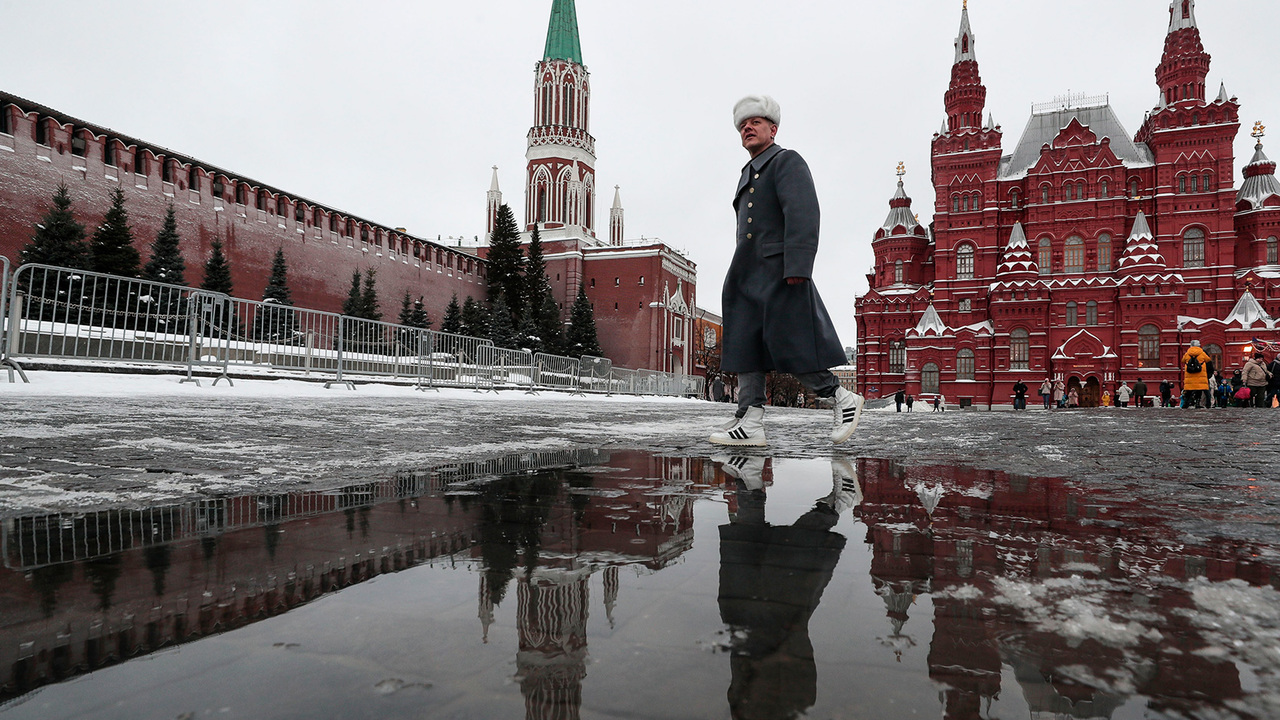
[{"x": 751, "y": 387}]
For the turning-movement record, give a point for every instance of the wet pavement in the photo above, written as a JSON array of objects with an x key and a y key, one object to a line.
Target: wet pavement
[{"x": 390, "y": 557}]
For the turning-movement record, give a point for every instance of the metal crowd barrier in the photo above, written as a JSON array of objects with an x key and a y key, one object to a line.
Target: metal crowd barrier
[
  {"x": 555, "y": 372},
  {"x": 500, "y": 368},
  {"x": 55, "y": 313}
]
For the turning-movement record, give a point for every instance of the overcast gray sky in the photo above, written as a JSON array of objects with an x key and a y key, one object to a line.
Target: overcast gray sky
[{"x": 396, "y": 111}]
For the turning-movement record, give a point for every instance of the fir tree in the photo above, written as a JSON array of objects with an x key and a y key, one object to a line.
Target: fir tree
[
  {"x": 550, "y": 329},
  {"x": 111, "y": 250},
  {"x": 369, "y": 297},
  {"x": 473, "y": 319},
  {"x": 166, "y": 264},
  {"x": 276, "y": 320},
  {"x": 59, "y": 240},
  {"x": 452, "y": 322},
  {"x": 536, "y": 284},
  {"x": 527, "y": 337},
  {"x": 581, "y": 338},
  {"x": 406, "y": 310},
  {"x": 217, "y": 278},
  {"x": 420, "y": 319},
  {"x": 501, "y": 331},
  {"x": 505, "y": 261},
  {"x": 217, "y": 271},
  {"x": 351, "y": 306}
]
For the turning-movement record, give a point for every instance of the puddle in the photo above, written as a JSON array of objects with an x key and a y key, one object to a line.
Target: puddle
[{"x": 623, "y": 584}]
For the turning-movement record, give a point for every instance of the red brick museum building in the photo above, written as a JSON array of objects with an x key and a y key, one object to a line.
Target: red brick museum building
[{"x": 1085, "y": 254}]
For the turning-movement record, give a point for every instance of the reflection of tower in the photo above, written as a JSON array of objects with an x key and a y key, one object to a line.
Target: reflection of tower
[
  {"x": 552, "y": 661},
  {"x": 486, "y": 605},
  {"x": 610, "y": 591}
]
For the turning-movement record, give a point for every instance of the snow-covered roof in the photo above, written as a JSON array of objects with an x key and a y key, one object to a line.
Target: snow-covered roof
[
  {"x": 900, "y": 214},
  {"x": 1018, "y": 263},
  {"x": 1248, "y": 311},
  {"x": 1042, "y": 128},
  {"x": 1061, "y": 352},
  {"x": 1141, "y": 253},
  {"x": 1260, "y": 180},
  {"x": 931, "y": 322}
]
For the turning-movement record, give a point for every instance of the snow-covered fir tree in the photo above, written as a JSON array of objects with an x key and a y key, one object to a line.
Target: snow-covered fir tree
[
  {"x": 581, "y": 338},
  {"x": 505, "y": 261},
  {"x": 166, "y": 264},
  {"x": 111, "y": 250},
  {"x": 452, "y": 322},
  {"x": 59, "y": 239}
]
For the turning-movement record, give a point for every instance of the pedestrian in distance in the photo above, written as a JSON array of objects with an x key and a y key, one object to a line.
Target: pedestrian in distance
[
  {"x": 774, "y": 319},
  {"x": 1195, "y": 377},
  {"x": 1139, "y": 394},
  {"x": 717, "y": 389},
  {"x": 937, "y": 403},
  {"x": 1256, "y": 378},
  {"x": 911, "y": 400},
  {"x": 1166, "y": 393},
  {"x": 1123, "y": 393},
  {"x": 899, "y": 398},
  {"x": 1059, "y": 394},
  {"x": 1046, "y": 392},
  {"x": 1019, "y": 395},
  {"x": 1273, "y": 385},
  {"x": 1073, "y": 398}
]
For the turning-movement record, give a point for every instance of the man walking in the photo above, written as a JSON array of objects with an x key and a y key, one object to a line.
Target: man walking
[
  {"x": 1139, "y": 393},
  {"x": 774, "y": 318}
]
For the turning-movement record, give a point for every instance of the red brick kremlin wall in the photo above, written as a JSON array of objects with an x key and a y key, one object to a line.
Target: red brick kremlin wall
[{"x": 322, "y": 248}]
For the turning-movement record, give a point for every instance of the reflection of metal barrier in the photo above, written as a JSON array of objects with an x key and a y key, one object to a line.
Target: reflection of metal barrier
[
  {"x": 34, "y": 541},
  {"x": 555, "y": 372},
  {"x": 54, "y": 313}
]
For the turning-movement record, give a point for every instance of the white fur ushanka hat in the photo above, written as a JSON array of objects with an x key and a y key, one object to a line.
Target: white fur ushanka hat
[{"x": 756, "y": 106}]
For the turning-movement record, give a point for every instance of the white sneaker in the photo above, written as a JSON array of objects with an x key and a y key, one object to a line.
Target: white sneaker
[
  {"x": 848, "y": 409},
  {"x": 750, "y": 470},
  {"x": 746, "y": 431}
]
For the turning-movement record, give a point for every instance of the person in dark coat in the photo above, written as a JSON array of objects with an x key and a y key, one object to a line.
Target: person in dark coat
[
  {"x": 1166, "y": 393},
  {"x": 1139, "y": 393},
  {"x": 899, "y": 398},
  {"x": 1273, "y": 385},
  {"x": 717, "y": 389},
  {"x": 1020, "y": 395},
  {"x": 774, "y": 319}
]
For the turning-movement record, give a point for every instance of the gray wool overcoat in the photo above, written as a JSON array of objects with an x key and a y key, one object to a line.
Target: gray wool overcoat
[{"x": 768, "y": 324}]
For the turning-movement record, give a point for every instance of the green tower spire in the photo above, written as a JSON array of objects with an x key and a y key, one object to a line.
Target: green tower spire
[{"x": 562, "y": 33}]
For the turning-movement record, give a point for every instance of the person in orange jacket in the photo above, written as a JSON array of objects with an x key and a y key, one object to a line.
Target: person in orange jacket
[{"x": 1196, "y": 367}]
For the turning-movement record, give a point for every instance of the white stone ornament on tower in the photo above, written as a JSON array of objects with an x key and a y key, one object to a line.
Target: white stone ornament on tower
[
  {"x": 615, "y": 218},
  {"x": 493, "y": 202}
]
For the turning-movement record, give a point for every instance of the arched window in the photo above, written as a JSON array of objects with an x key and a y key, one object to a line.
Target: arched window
[
  {"x": 1104, "y": 253},
  {"x": 1149, "y": 346},
  {"x": 929, "y": 378},
  {"x": 955, "y": 203},
  {"x": 1215, "y": 354},
  {"x": 1273, "y": 251},
  {"x": 1020, "y": 349},
  {"x": 964, "y": 364},
  {"x": 1208, "y": 182},
  {"x": 1091, "y": 313},
  {"x": 964, "y": 204},
  {"x": 1013, "y": 199},
  {"x": 964, "y": 262},
  {"x": 1073, "y": 257},
  {"x": 568, "y": 104},
  {"x": 1045, "y": 260},
  {"x": 1044, "y": 194},
  {"x": 1073, "y": 316},
  {"x": 1104, "y": 189},
  {"x": 898, "y": 272},
  {"x": 1133, "y": 188},
  {"x": 1182, "y": 184},
  {"x": 1193, "y": 248},
  {"x": 897, "y": 356}
]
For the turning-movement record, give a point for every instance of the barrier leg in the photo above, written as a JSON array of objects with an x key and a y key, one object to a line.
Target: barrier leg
[{"x": 15, "y": 330}]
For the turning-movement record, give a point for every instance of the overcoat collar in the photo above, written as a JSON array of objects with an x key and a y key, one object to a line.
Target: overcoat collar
[{"x": 756, "y": 165}]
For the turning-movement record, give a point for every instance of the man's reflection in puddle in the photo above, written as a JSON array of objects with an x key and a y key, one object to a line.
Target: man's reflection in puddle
[{"x": 771, "y": 579}]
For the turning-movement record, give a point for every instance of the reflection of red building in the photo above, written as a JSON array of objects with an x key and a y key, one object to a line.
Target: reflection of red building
[
  {"x": 1085, "y": 253},
  {"x": 963, "y": 535}
]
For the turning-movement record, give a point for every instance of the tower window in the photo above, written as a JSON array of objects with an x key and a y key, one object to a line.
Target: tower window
[
  {"x": 1149, "y": 347},
  {"x": 964, "y": 364},
  {"x": 1044, "y": 195},
  {"x": 1193, "y": 248},
  {"x": 1133, "y": 188},
  {"x": 1013, "y": 199},
  {"x": 1104, "y": 190},
  {"x": 1073, "y": 260},
  {"x": 1273, "y": 251},
  {"x": 964, "y": 262},
  {"x": 1073, "y": 317},
  {"x": 1091, "y": 313},
  {"x": 1020, "y": 349},
  {"x": 897, "y": 272}
]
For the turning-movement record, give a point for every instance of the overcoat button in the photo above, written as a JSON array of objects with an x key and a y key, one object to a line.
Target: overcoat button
[
  {"x": 757, "y": 176},
  {"x": 751, "y": 204},
  {"x": 748, "y": 236},
  {"x": 753, "y": 190},
  {"x": 748, "y": 219}
]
